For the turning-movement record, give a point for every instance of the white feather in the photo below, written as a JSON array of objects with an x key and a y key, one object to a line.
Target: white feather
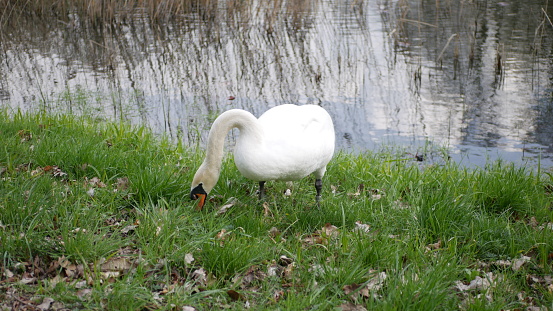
[{"x": 287, "y": 142}]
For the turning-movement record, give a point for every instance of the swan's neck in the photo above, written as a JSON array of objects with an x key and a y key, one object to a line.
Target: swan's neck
[{"x": 236, "y": 118}]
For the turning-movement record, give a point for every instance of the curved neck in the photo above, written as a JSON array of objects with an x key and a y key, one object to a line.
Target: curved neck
[{"x": 235, "y": 118}]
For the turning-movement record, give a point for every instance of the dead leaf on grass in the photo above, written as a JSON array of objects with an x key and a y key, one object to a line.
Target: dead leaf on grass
[
  {"x": 45, "y": 305},
  {"x": 285, "y": 261},
  {"x": 348, "y": 306},
  {"x": 223, "y": 209},
  {"x": 188, "y": 258},
  {"x": 479, "y": 283},
  {"x": 199, "y": 276},
  {"x": 434, "y": 246},
  {"x": 330, "y": 231},
  {"x": 25, "y": 135},
  {"x": 267, "y": 213},
  {"x": 235, "y": 296},
  {"x": 274, "y": 232},
  {"x": 323, "y": 236},
  {"x": 361, "y": 227},
  {"x": 221, "y": 235},
  {"x": 122, "y": 183}
]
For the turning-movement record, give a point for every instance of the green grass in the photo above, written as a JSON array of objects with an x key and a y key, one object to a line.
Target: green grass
[{"x": 79, "y": 195}]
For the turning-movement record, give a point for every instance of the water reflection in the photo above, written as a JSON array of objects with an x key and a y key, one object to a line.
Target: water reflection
[{"x": 475, "y": 76}]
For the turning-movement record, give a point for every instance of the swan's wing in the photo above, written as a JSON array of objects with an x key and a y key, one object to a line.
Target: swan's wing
[{"x": 299, "y": 139}]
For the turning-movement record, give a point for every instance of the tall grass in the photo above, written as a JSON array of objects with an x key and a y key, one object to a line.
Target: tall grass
[
  {"x": 77, "y": 194},
  {"x": 101, "y": 11}
]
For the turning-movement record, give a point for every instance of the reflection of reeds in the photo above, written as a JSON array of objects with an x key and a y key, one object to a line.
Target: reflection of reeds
[{"x": 99, "y": 11}]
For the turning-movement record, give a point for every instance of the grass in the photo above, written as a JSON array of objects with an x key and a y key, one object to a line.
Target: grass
[{"x": 96, "y": 216}]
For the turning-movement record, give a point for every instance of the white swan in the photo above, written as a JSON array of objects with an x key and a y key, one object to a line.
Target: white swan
[{"x": 287, "y": 142}]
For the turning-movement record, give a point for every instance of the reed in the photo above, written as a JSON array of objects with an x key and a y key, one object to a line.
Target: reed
[{"x": 100, "y": 11}]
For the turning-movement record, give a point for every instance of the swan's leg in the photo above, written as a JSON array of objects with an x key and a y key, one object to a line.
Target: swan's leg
[
  {"x": 318, "y": 187},
  {"x": 261, "y": 190}
]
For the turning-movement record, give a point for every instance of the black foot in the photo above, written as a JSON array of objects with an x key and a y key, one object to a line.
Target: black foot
[
  {"x": 261, "y": 190},
  {"x": 318, "y": 187}
]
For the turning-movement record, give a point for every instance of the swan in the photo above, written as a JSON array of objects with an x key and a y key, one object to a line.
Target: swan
[{"x": 287, "y": 143}]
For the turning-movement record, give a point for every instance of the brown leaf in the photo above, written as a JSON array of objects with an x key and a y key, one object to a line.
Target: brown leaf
[
  {"x": 518, "y": 263},
  {"x": 330, "y": 231},
  {"x": 223, "y": 209},
  {"x": 235, "y": 296},
  {"x": 188, "y": 258},
  {"x": 274, "y": 270},
  {"x": 45, "y": 305},
  {"x": 96, "y": 182},
  {"x": 199, "y": 276},
  {"x": 277, "y": 295},
  {"x": 361, "y": 227},
  {"x": 222, "y": 234},
  {"x": 115, "y": 267},
  {"x": 285, "y": 261},
  {"x": 274, "y": 232},
  {"x": 351, "y": 307},
  {"x": 313, "y": 239},
  {"x": 355, "y": 290},
  {"x": 266, "y": 210},
  {"x": 25, "y": 135},
  {"x": 122, "y": 183},
  {"x": 436, "y": 245},
  {"x": 27, "y": 280}
]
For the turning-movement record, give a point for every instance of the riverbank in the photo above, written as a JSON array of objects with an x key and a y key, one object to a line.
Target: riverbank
[{"x": 96, "y": 215}]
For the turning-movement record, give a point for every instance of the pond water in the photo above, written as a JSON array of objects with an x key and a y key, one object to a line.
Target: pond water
[{"x": 474, "y": 77}]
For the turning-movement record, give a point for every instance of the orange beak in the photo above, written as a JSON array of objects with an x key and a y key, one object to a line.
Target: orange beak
[{"x": 201, "y": 202}]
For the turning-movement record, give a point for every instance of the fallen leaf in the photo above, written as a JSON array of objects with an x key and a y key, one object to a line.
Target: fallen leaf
[
  {"x": 46, "y": 302},
  {"x": 377, "y": 282},
  {"x": 313, "y": 239},
  {"x": 253, "y": 274},
  {"x": 518, "y": 263},
  {"x": 235, "y": 296},
  {"x": 285, "y": 261},
  {"x": 25, "y": 135},
  {"x": 330, "y": 231},
  {"x": 27, "y": 280},
  {"x": 188, "y": 258},
  {"x": 199, "y": 276},
  {"x": 188, "y": 308},
  {"x": 128, "y": 229},
  {"x": 277, "y": 295},
  {"x": 351, "y": 307},
  {"x": 274, "y": 270},
  {"x": 479, "y": 283},
  {"x": 361, "y": 227},
  {"x": 274, "y": 232},
  {"x": 122, "y": 183},
  {"x": 266, "y": 210},
  {"x": 7, "y": 273},
  {"x": 356, "y": 290},
  {"x": 223, "y": 209},
  {"x": 81, "y": 293},
  {"x": 433, "y": 246},
  {"x": 116, "y": 264},
  {"x": 221, "y": 235},
  {"x": 96, "y": 182}
]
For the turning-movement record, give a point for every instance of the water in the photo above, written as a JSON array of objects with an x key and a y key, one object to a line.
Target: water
[{"x": 472, "y": 77}]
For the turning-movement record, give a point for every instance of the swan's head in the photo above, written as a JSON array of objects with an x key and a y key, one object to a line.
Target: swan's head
[{"x": 204, "y": 180}]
